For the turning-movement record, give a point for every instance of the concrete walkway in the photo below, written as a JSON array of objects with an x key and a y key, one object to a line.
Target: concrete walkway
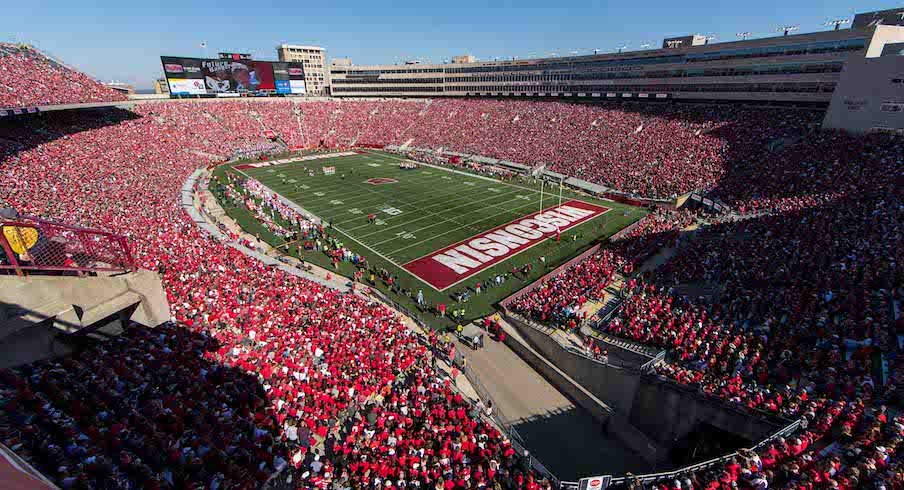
[
  {"x": 518, "y": 390},
  {"x": 561, "y": 435}
]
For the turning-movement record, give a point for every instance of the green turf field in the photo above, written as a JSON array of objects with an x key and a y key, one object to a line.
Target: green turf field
[{"x": 427, "y": 209}]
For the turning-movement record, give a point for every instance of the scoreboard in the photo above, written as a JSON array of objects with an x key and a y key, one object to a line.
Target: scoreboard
[{"x": 232, "y": 73}]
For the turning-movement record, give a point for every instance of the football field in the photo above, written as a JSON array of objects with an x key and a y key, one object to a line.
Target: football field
[
  {"x": 439, "y": 229},
  {"x": 407, "y": 215}
]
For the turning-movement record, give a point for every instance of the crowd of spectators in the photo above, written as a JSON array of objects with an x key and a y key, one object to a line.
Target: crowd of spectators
[
  {"x": 801, "y": 322},
  {"x": 259, "y": 372},
  {"x": 270, "y": 211},
  {"x": 29, "y": 78},
  {"x": 559, "y": 299},
  {"x": 650, "y": 150}
]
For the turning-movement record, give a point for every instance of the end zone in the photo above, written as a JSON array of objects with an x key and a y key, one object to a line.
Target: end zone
[{"x": 455, "y": 263}]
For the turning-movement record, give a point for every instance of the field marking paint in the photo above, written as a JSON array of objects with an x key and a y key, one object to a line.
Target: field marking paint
[
  {"x": 413, "y": 203},
  {"x": 466, "y": 174},
  {"x": 430, "y": 214},
  {"x": 454, "y": 263},
  {"x": 461, "y": 225},
  {"x": 305, "y": 212},
  {"x": 350, "y": 160},
  {"x": 512, "y": 210},
  {"x": 414, "y": 180}
]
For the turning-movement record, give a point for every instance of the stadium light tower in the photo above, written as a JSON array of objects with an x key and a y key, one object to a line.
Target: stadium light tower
[
  {"x": 597, "y": 51},
  {"x": 622, "y": 48},
  {"x": 744, "y": 35},
  {"x": 837, "y": 23},
  {"x": 787, "y": 29},
  {"x": 645, "y": 46}
]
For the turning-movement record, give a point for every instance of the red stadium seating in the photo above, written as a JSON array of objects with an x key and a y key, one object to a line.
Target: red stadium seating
[
  {"x": 258, "y": 367},
  {"x": 183, "y": 404},
  {"x": 29, "y": 78}
]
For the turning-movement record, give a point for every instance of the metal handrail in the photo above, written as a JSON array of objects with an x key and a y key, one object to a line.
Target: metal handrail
[
  {"x": 671, "y": 475},
  {"x": 108, "y": 252},
  {"x": 649, "y": 365}
]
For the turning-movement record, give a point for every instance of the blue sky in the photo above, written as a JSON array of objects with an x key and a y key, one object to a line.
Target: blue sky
[{"x": 122, "y": 40}]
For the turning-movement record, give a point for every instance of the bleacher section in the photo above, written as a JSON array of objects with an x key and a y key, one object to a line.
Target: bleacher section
[
  {"x": 29, "y": 78},
  {"x": 259, "y": 371}
]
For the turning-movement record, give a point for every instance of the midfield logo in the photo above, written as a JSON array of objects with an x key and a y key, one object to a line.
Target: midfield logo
[{"x": 381, "y": 181}]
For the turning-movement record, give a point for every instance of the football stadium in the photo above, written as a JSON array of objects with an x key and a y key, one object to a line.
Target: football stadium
[{"x": 661, "y": 269}]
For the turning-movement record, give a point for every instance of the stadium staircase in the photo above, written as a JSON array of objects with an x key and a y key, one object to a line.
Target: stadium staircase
[
  {"x": 621, "y": 343},
  {"x": 608, "y": 310},
  {"x": 299, "y": 118},
  {"x": 422, "y": 113}
]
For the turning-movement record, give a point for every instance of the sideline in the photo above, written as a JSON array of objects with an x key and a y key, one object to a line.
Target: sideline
[{"x": 188, "y": 204}]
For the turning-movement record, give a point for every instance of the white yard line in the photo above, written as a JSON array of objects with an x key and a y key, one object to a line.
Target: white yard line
[
  {"x": 305, "y": 212},
  {"x": 449, "y": 209},
  {"x": 460, "y": 227},
  {"x": 334, "y": 186},
  {"x": 411, "y": 203},
  {"x": 466, "y": 174},
  {"x": 318, "y": 201}
]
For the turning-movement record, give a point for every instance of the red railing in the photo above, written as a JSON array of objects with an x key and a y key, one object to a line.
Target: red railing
[{"x": 30, "y": 244}]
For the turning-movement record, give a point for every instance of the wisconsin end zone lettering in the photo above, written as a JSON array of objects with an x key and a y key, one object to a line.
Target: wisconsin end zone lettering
[{"x": 457, "y": 262}]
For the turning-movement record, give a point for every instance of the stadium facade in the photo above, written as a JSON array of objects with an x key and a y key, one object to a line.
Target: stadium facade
[{"x": 800, "y": 69}]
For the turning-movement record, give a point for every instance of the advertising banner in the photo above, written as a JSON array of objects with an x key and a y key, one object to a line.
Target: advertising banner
[
  {"x": 191, "y": 86},
  {"x": 181, "y": 67},
  {"x": 289, "y": 78},
  {"x": 231, "y": 76},
  {"x": 234, "y": 56},
  {"x": 595, "y": 483},
  {"x": 297, "y": 86}
]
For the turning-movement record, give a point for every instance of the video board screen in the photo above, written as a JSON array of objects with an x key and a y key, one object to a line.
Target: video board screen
[
  {"x": 237, "y": 76},
  {"x": 199, "y": 76}
]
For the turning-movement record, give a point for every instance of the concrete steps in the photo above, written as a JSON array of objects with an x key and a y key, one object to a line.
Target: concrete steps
[
  {"x": 609, "y": 307},
  {"x": 621, "y": 343},
  {"x": 38, "y": 312}
]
